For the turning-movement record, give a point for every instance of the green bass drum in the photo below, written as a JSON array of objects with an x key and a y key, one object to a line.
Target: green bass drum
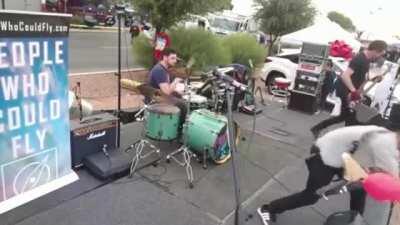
[
  {"x": 162, "y": 121},
  {"x": 206, "y": 133}
]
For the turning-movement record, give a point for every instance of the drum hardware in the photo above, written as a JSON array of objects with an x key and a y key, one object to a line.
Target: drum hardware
[
  {"x": 139, "y": 147},
  {"x": 232, "y": 147},
  {"x": 196, "y": 101},
  {"x": 184, "y": 149}
]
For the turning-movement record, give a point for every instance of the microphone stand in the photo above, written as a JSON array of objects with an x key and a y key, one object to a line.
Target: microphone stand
[
  {"x": 119, "y": 15},
  {"x": 232, "y": 147}
]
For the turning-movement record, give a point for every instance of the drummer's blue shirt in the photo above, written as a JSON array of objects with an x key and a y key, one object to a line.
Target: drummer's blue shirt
[{"x": 158, "y": 75}]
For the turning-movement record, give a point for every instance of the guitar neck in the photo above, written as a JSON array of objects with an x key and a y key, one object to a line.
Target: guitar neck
[{"x": 375, "y": 82}]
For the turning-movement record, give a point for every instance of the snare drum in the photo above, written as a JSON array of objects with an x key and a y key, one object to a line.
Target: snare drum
[
  {"x": 162, "y": 121},
  {"x": 206, "y": 133},
  {"x": 196, "y": 101}
]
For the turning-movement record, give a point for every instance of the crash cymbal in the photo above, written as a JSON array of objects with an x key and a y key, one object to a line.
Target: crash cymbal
[{"x": 131, "y": 85}]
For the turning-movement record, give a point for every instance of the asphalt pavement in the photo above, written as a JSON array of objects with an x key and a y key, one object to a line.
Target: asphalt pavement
[
  {"x": 270, "y": 167},
  {"x": 97, "y": 50}
]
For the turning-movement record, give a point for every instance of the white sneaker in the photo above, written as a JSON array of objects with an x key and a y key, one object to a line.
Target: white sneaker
[{"x": 265, "y": 216}]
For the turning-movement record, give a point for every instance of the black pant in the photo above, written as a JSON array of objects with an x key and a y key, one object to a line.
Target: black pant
[
  {"x": 347, "y": 115},
  {"x": 325, "y": 90},
  {"x": 320, "y": 175}
]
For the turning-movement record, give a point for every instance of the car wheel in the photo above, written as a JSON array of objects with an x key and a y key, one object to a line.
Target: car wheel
[
  {"x": 367, "y": 100},
  {"x": 270, "y": 82}
]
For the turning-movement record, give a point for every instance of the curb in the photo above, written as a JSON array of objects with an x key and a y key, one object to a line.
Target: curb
[
  {"x": 104, "y": 72},
  {"x": 79, "y": 27}
]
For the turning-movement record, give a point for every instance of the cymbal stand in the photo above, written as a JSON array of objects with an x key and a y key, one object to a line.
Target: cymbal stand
[
  {"x": 232, "y": 148},
  {"x": 184, "y": 149},
  {"x": 139, "y": 147}
]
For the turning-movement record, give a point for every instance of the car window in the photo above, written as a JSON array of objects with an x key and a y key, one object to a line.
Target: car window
[{"x": 293, "y": 58}]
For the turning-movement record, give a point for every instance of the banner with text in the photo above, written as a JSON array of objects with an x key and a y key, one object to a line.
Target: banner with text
[{"x": 34, "y": 118}]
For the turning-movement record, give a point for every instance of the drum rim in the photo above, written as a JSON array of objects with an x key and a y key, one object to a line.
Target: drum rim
[{"x": 151, "y": 109}]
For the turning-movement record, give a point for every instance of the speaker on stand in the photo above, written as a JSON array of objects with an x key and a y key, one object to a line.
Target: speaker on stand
[{"x": 306, "y": 93}]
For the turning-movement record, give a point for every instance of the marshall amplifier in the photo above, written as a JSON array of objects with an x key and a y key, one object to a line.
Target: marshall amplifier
[{"x": 91, "y": 135}]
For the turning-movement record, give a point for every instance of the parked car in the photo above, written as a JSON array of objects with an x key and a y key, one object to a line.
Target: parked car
[
  {"x": 285, "y": 65},
  {"x": 195, "y": 21}
]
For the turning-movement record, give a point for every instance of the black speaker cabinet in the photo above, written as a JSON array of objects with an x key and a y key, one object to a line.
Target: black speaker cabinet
[
  {"x": 90, "y": 135},
  {"x": 303, "y": 102},
  {"x": 315, "y": 50}
]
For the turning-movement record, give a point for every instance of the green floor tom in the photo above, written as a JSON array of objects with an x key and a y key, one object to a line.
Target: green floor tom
[{"x": 162, "y": 121}]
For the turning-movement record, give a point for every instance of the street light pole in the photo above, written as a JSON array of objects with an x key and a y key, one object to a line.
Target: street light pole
[
  {"x": 119, "y": 80},
  {"x": 3, "y": 4},
  {"x": 120, "y": 10}
]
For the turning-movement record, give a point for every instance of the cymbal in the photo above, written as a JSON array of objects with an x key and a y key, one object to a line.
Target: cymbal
[
  {"x": 179, "y": 72},
  {"x": 152, "y": 93},
  {"x": 130, "y": 84}
]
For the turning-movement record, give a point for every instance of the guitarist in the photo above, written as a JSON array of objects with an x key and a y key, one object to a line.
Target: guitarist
[{"x": 350, "y": 84}]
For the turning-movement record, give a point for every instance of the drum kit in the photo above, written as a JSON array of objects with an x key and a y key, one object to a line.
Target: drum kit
[{"x": 204, "y": 132}]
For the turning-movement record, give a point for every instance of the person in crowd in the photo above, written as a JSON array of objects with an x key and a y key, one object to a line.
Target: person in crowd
[
  {"x": 328, "y": 83},
  {"x": 350, "y": 85},
  {"x": 135, "y": 29},
  {"x": 376, "y": 147}
]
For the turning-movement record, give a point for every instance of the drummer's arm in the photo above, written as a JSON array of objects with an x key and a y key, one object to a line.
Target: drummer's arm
[{"x": 167, "y": 88}]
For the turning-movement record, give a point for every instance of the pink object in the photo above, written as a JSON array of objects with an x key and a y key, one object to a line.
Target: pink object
[
  {"x": 282, "y": 83},
  {"x": 341, "y": 49},
  {"x": 382, "y": 187}
]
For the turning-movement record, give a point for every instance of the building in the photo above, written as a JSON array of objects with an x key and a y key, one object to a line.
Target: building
[
  {"x": 28, "y": 5},
  {"x": 60, "y": 6}
]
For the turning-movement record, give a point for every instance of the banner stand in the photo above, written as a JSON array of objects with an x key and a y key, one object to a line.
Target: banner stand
[
  {"x": 37, "y": 192},
  {"x": 35, "y": 149}
]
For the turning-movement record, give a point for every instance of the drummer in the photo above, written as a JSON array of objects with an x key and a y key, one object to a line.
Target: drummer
[{"x": 160, "y": 78}]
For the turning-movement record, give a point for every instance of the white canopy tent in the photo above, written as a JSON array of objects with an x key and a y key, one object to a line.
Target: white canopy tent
[
  {"x": 369, "y": 36},
  {"x": 322, "y": 32}
]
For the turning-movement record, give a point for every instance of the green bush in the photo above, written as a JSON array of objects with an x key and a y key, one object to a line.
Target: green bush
[
  {"x": 142, "y": 51},
  {"x": 77, "y": 20},
  {"x": 203, "y": 46},
  {"x": 243, "y": 47}
]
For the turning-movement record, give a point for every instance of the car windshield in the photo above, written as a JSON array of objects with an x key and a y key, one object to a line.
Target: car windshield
[{"x": 225, "y": 24}]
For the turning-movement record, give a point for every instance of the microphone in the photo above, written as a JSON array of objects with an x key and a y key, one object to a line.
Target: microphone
[{"x": 216, "y": 73}]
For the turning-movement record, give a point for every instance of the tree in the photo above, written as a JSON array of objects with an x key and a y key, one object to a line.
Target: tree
[
  {"x": 344, "y": 21},
  {"x": 279, "y": 17},
  {"x": 165, "y": 13}
]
